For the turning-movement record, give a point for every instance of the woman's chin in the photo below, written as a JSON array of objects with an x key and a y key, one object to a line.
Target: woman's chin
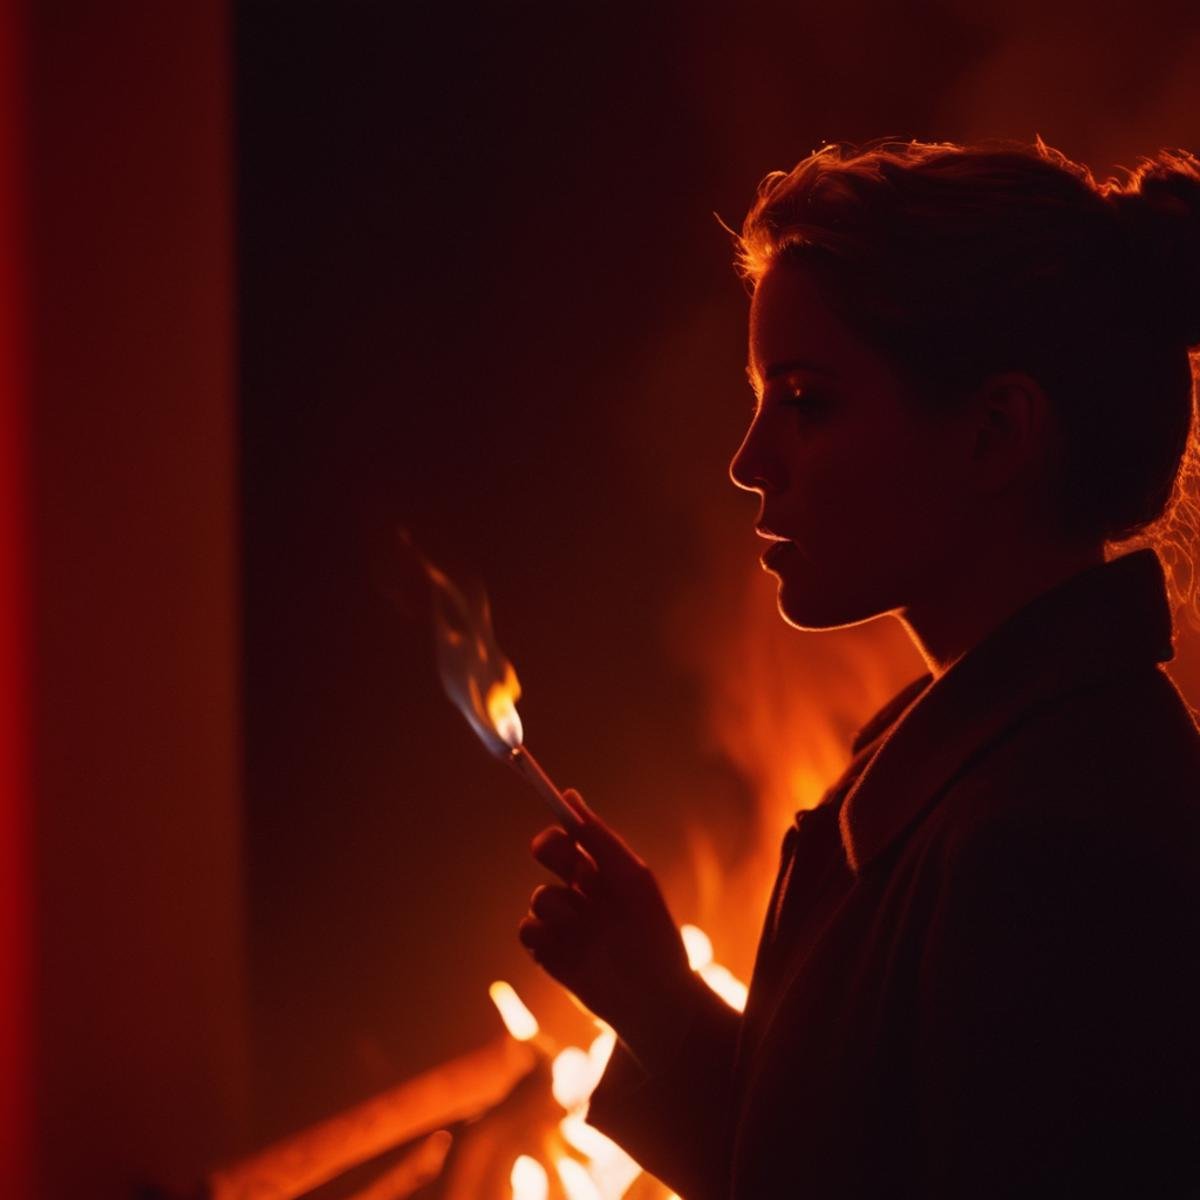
[{"x": 811, "y": 607}]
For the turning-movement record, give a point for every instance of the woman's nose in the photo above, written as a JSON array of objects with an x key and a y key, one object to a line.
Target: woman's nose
[{"x": 750, "y": 467}]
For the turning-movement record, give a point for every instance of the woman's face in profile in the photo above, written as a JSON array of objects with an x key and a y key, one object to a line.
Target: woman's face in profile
[{"x": 868, "y": 495}]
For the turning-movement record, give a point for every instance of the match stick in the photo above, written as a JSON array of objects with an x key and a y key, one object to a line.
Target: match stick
[{"x": 530, "y": 769}]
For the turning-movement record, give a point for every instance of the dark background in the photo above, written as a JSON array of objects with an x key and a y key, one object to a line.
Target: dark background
[{"x": 482, "y": 293}]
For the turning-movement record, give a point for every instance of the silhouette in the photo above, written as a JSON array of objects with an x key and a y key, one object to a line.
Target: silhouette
[{"x": 977, "y": 975}]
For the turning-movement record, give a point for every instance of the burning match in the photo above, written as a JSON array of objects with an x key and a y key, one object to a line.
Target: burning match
[
  {"x": 506, "y": 723},
  {"x": 483, "y": 684},
  {"x": 530, "y": 769}
]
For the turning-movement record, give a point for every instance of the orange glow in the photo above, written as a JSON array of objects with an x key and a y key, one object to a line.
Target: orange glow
[
  {"x": 529, "y": 1179},
  {"x": 518, "y": 1020}
]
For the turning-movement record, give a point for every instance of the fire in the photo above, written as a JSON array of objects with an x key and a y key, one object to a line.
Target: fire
[
  {"x": 575, "y": 1072},
  {"x": 698, "y": 945},
  {"x": 576, "y": 1181},
  {"x": 782, "y": 708},
  {"x": 518, "y": 1020},
  {"x": 581, "y": 1136},
  {"x": 722, "y": 980},
  {"x": 603, "y": 1171},
  {"x": 529, "y": 1179},
  {"x": 571, "y": 1075},
  {"x": 600, "y": 1051}
]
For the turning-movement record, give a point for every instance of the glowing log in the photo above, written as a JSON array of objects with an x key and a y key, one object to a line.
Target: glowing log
[
  {"x": 455, "y": 1091},
  {"x": 417, "y": 1168}
]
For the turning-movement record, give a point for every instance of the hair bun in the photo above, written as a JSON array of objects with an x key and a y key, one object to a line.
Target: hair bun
[{"x": 1159, "y": 210}]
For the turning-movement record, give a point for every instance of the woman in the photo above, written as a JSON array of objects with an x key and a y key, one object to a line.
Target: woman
[{"x": 977, "y": 975}]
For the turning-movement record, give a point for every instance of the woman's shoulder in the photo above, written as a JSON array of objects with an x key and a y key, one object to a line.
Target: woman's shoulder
[{"x": 1112, "y": 765}]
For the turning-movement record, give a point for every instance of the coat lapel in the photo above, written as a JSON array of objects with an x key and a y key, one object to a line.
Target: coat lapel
[{"x": 1101, "y": 621}]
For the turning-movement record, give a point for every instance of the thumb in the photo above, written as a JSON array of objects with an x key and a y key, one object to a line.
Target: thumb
[{"x": 609, "y": 850}]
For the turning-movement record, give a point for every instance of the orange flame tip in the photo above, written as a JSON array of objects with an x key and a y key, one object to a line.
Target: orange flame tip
[{"x": 475, "y": 674}]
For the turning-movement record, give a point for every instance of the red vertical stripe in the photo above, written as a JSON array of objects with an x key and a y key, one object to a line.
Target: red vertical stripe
[{"x": 15, "y": 840}]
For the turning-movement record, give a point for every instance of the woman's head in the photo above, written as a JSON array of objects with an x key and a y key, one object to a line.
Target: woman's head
[{"x": 997, "y": 279}]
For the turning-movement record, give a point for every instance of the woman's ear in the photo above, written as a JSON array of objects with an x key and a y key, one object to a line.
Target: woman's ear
[{"x": 1012, "y": 428}]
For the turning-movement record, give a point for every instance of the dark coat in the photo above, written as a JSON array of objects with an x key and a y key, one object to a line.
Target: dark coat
[{"x": 978, "y": 975}]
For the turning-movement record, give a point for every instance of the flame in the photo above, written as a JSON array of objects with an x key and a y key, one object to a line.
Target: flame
[
  {"x": 698, "y": 945},
  {"x": 529, "y": 1179},
  {"x": 576, "y": 1181},
  {"x": 572, "y": 1079},
  {"x": 727, "y": 985},
  {"x": 501, "y": 708},
  {"x": 518, "y": 1020},
  {"x": 600, "y": 1051},
  {"x": 475, "y": 674},
  {"x": 611, "y": 1169},
  {"x": 722, "y": 980},
  {"x": 588, "y": 1140}
]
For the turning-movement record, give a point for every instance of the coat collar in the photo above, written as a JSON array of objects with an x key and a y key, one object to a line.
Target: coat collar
[{"x": 1107, "y": 618}]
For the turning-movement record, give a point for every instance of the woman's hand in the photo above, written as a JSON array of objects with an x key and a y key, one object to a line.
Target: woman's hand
[{"x": 605, "y": 933}]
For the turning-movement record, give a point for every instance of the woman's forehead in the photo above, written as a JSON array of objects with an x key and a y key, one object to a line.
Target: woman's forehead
[{"x": 790, "y": 323}]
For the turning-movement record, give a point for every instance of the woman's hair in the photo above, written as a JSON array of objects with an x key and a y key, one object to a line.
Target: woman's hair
[{"x": 960, "y": 261}]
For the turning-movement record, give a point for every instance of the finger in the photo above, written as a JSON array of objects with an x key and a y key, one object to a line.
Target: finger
[
  {"x": 537, "y": 937},
  {"x": 531, "y": 932},
  {"x": 557, "y": 906},
  {"x": 547, "y": 947},
  {"x": 608, "y": 849},
  {"x": 558, "y": 853}
]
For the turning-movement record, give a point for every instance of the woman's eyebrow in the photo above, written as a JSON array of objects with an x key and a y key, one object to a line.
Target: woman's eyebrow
[{"x": 783, "y": 368}]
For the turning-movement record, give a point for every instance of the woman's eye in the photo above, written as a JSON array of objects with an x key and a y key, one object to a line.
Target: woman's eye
[{"x": 804, "y": 398}]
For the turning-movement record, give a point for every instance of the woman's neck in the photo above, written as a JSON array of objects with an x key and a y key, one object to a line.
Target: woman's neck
[{"x": 974, "y": 596}]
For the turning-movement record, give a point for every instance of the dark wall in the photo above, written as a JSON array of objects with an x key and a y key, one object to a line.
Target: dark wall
[
  {"x": 482, "y": 292},
  {"x": 141, "y": 1068}
]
